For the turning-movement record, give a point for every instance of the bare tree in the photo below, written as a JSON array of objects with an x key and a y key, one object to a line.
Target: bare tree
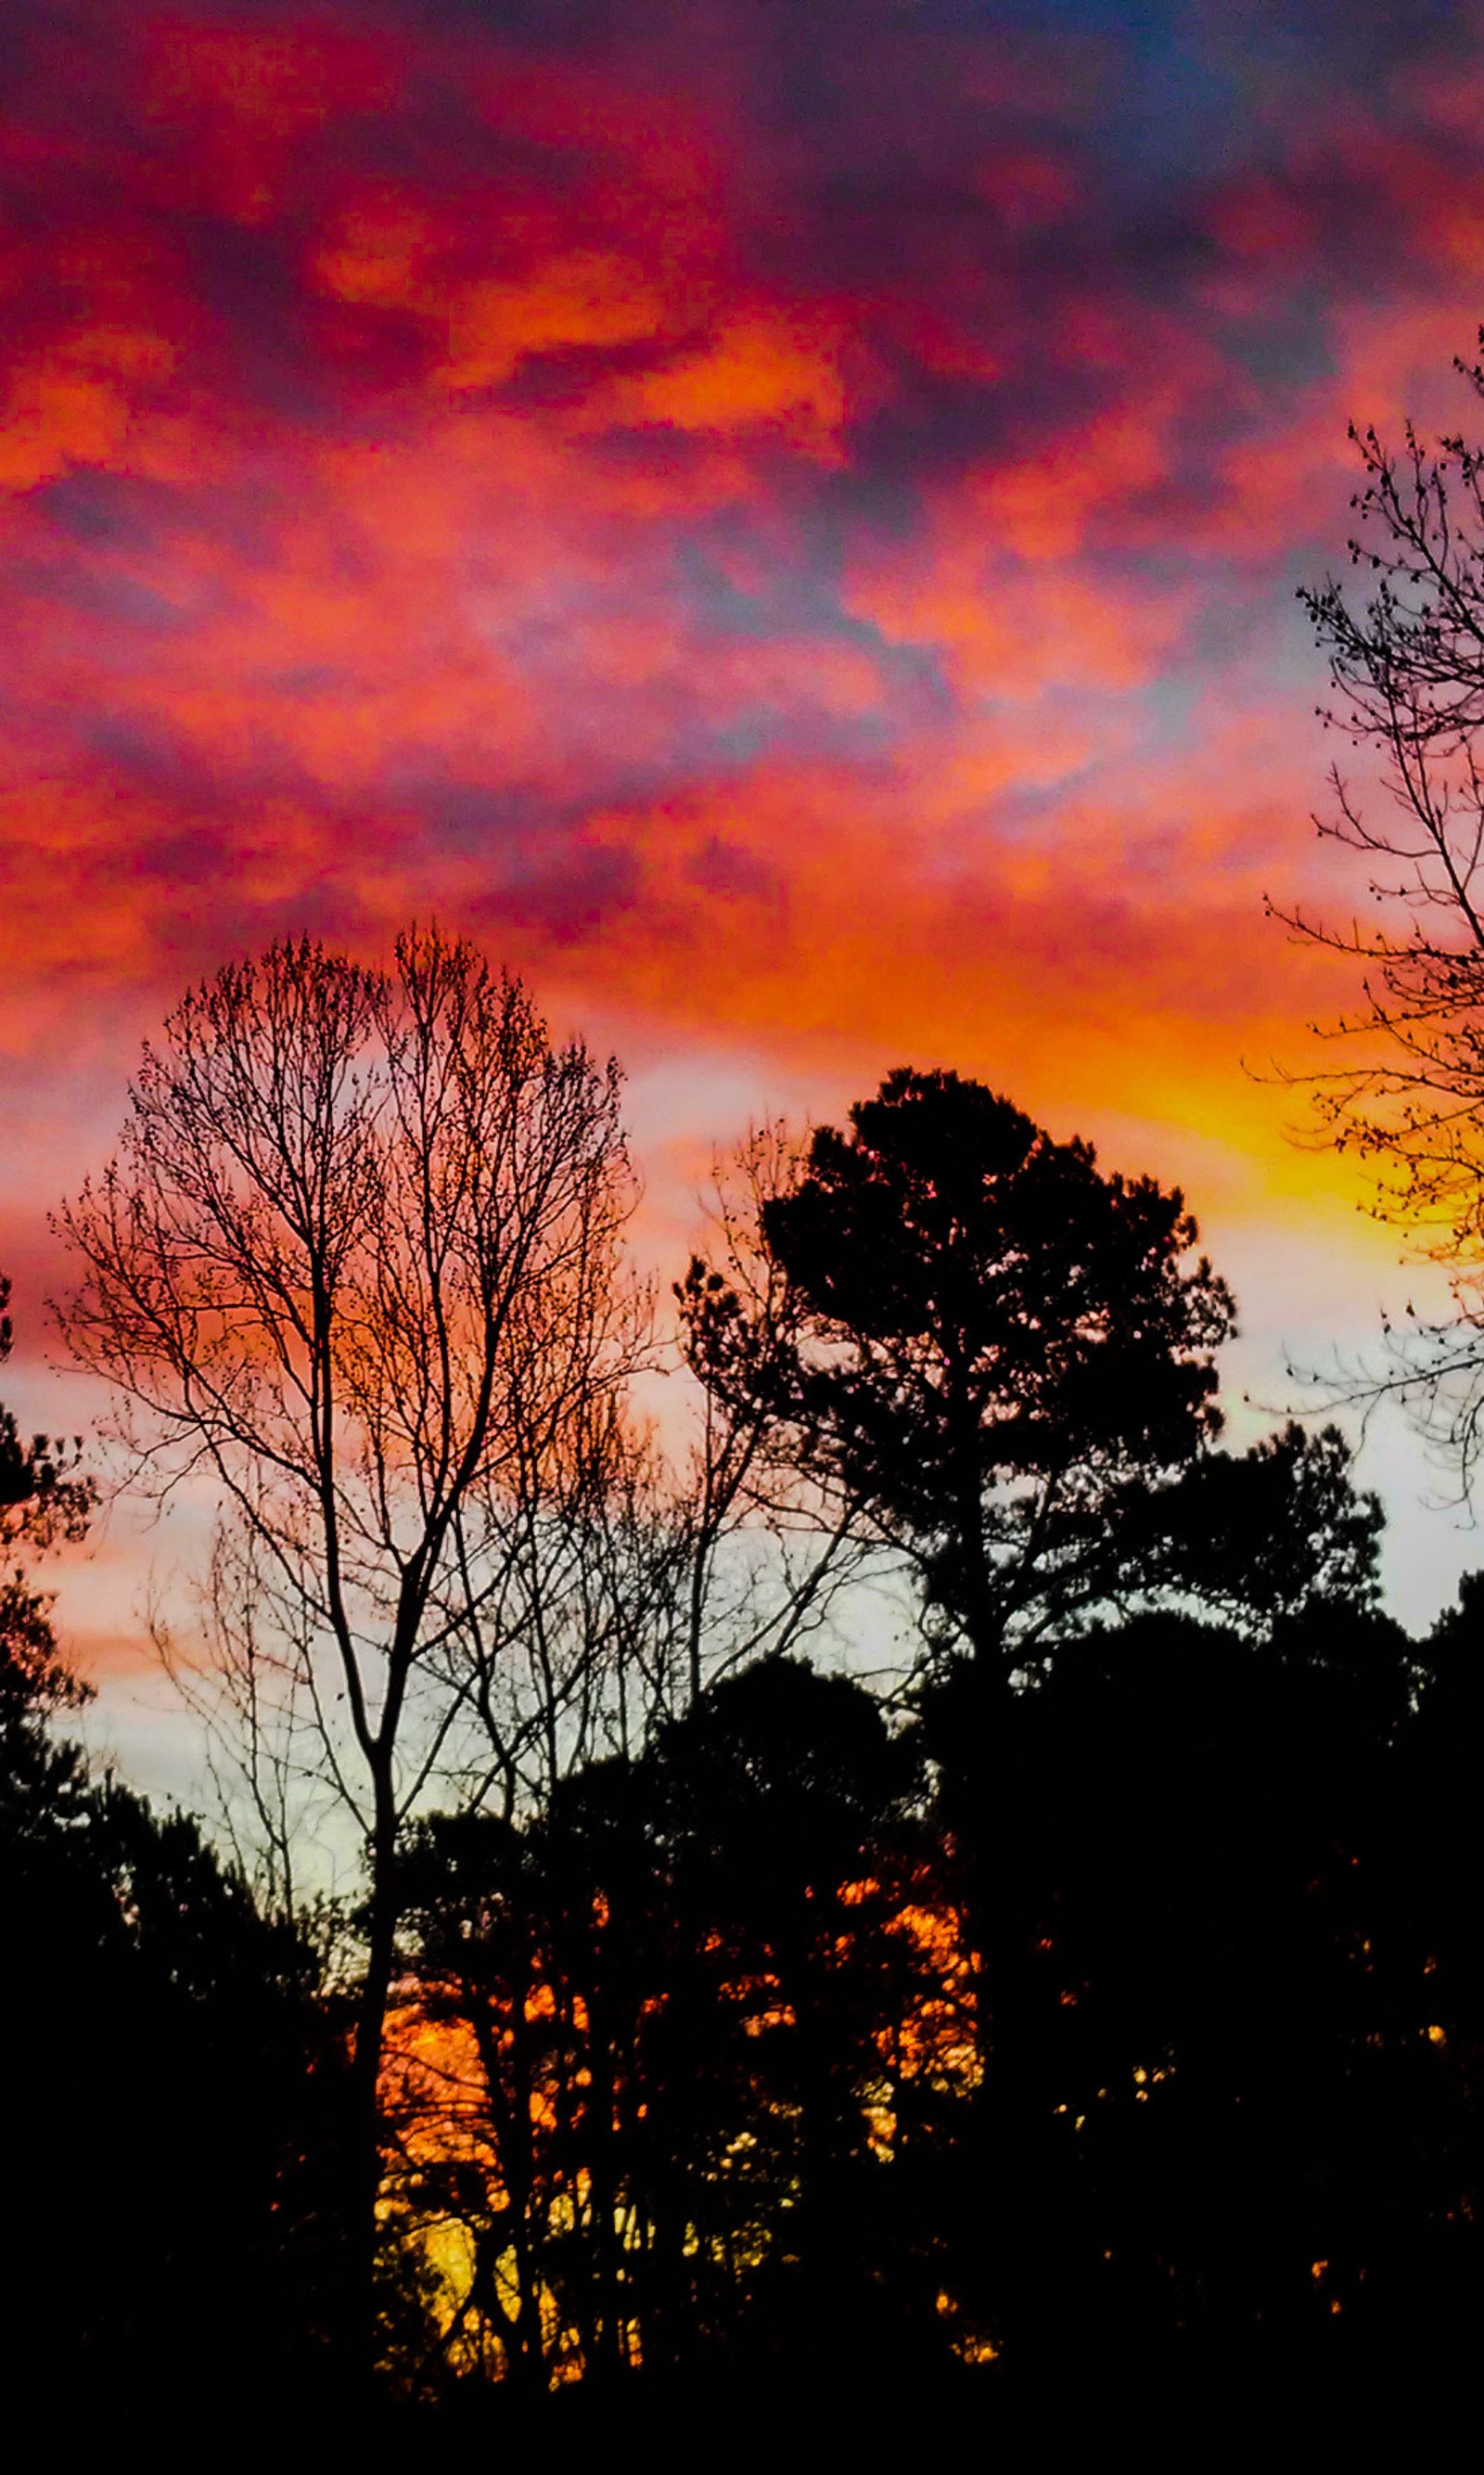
[
  {"x": 1406, "y": 1091},
  {"x": 357, "y": 1261},
  {"x": 762, "y": 1547},
  {"x": 556, "y": 1594},
  {"x": 243, "y": 1662}
]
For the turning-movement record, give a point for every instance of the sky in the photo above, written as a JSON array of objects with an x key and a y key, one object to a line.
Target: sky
[{"x": 781, "y": 520}]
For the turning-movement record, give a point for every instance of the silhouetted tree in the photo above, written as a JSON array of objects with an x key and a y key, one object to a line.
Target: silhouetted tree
[
  {"x": 167, "y": 2075},
  {"x": 1229, "y": 2055},
  {"x": 1407, "y": 668},
  {"x": 44, "y": 1497},
  {"x": 991, "y": 1340},
  {"x": 1004, "y": 1360},
  {"x": 1264, "y": 1536},
  {"x": 737, "y": 1300},
  {"x": 357, "y": 1260},
  {"x": 42, "y": 1778},
  {"x": 782, "y": 1801},
  {"x": 660, "y": 2097}
]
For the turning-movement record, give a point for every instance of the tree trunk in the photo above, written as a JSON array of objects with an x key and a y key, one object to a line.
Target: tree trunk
[{"x": 360, "y": 2336}]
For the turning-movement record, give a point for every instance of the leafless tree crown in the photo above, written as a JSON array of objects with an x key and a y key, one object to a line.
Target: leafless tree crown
[
  {"x": 357, "y": 1260},
  {"x": 1406, "y": 1091}
]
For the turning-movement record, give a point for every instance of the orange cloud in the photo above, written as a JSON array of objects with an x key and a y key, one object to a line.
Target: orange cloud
[{"x": 800, "y": 585}]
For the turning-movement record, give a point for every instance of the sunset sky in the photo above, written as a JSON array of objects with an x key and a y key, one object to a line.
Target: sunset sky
[{"x": 782, "y": 520}]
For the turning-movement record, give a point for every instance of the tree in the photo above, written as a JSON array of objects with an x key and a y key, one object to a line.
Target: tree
[
  {"x": 357, "y": 1263},
  {"x": 1237, "y": 1972},
  {"x": 760, "y": 1560},
  {"x": 1264, "y": 1536},
  {"x": 166, "y": 2055},
  {"x": 1002, "y": 1360},
  {"x": 994, "y": 1348},
  {"x": 1407, "y": 665},
  {"x": 651, "y": 2077},
  {"x": 43, "y": 1497}
]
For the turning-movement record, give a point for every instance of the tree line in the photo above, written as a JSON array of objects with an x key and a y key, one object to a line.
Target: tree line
[
  {"x": 1102, "y": 1977},
  {"x": 1092, "y": 1977}
]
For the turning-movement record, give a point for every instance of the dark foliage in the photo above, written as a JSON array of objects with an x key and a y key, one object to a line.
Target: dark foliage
[
  {"x": 169, "y": 2082},
  {"x": 728, "y": 2128},
  {"x": 998, "y": 1345},
  {"x": 676, "y": 1989},
  {"x": 1264, "y": 1536},
  {"x": 1103, "y": 2019}
]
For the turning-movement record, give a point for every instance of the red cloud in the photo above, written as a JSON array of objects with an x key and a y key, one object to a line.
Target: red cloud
[{"x": 798, "y": 561}]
